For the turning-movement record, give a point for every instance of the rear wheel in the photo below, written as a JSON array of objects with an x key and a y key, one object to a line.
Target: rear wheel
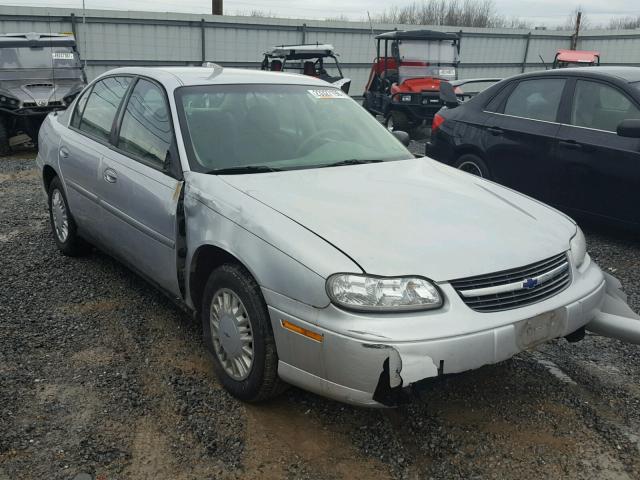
[
  {"x": 473, "y": 164},
  {"x": 65, "y": 231},
  {"x": 237, "y": 331}
]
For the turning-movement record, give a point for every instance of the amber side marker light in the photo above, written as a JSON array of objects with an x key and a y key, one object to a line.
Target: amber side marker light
[{"x": 318, "y": 337}]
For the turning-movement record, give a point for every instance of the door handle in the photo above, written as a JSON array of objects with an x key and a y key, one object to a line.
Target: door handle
[
  {"x": 495, "y": 131},
  {"x": 64, "y": 153},
  {"x": 110, "y": 175},
  {"x": 570, "y": 144}
]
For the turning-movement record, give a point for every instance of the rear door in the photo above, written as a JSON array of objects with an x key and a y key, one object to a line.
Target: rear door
[
  {"x": 82, "y": 146},
  {"x": 599, "y": 172},
  {"x": 520, "y": 134},
  {"x": 140, "y": 186}
]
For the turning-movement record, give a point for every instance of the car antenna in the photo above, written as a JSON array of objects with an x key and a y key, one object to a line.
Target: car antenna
[
  {"x": 53, "y": 66},
  {"x": 371, "y": 26},
  {"x": 543, "y": 62}
]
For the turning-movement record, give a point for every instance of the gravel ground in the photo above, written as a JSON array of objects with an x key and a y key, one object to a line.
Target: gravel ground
[{"x": 101, "y": 377}]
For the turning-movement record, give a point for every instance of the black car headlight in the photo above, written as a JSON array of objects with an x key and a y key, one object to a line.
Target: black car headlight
[{"x": 8, "y": 101}]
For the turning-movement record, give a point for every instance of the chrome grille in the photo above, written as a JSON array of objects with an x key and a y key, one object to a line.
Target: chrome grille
[{"x": 516, "y": 287}]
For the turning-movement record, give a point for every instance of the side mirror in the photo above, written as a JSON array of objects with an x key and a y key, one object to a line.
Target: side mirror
[
  {"x": 403, "y": 137},
  {"x": 629, "y": 128},
  {"x": 448, "y": 95}
]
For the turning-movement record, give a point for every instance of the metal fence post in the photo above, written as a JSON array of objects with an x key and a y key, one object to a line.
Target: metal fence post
[
  {"x": 526, "y": 53},
  {"x": 203, "y": 43},
  {"x": 73, "y": 26}
]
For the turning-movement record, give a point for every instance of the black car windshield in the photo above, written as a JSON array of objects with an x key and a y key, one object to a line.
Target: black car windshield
[
  {"x": 281, "y": 127},
  {"x": 15, "y": 58}
]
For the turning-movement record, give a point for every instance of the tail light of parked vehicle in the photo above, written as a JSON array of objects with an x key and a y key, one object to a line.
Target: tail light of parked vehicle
[{"x": 438, "y": 120}]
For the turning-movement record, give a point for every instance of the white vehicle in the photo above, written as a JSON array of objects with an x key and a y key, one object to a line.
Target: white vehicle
[
  {"x": 315, "y": 60},
  {"x": 316, "y": 249}
]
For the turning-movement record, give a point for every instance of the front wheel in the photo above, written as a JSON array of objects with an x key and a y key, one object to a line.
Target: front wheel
[
  {"x": 397, "y": 121},
  {"x": 237, "y": 331},
  {"x": 65, "y": 230},
  {"x": 474, "y": 165}
]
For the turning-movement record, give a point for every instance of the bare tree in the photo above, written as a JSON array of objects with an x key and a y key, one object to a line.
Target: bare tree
[
  {"x": 624, "y": 23},
  {"x": 462, "y": 13}
]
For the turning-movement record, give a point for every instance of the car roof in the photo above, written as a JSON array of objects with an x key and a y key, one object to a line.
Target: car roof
[
  {"x": 36, "y": 39},
  {"x": 218, "y": 75},
  {"x": 302, "y": 51},
  {"x": 417, "y": 35},
  {"x": 577, "y": 55},
  {"x": 627, "y": 74}
]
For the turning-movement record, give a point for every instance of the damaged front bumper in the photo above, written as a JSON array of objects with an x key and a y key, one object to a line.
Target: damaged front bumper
[{"x": 369, "y": 359}]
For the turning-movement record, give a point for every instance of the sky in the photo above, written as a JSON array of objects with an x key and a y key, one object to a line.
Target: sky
[{"x": 537, "y": 12}]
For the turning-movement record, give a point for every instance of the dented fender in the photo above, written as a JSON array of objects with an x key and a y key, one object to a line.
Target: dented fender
[{"x": 615, "y": 318}]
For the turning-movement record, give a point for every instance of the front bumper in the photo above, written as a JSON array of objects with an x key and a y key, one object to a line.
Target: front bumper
[{"x": 368, "y": 360}]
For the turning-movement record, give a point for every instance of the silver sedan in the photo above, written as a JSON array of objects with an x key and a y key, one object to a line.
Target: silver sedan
[{"x": 315, "y": 248}]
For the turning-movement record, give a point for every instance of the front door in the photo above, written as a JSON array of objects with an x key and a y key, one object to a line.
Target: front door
[
  {"x": 520, "y": 135},
  {"x": 598, "y": 171},
  {"x": 138, "y": 193}
]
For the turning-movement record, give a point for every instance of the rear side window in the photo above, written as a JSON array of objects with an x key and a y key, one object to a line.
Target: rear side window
[
  {"x": 80, "y": 104},
  {"x": 600, "y": 106},
  {"x": 537, "y": 99},
  {"x": 146, "y": 126},
  {"x": 102, "y": 105}
]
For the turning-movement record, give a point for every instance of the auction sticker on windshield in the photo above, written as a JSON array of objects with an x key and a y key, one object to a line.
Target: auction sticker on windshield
[
  {"x": 62, "y": 55},
  {"x": 327, "y": 93}
]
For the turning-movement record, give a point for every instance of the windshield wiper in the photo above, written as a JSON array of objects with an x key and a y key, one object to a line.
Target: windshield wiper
[
  {"x": 243, "y": 169},
  {"x": 352, "y": 161}
]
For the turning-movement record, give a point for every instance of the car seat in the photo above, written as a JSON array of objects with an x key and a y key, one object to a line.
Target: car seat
[
  {"x": 276, "y": 65},
  {"x": 309, "y": 69}
]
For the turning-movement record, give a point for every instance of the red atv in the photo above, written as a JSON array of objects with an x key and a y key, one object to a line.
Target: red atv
[{"x": 404, "y": 82}]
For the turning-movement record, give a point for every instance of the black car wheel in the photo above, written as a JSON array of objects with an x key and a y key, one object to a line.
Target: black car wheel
[
  {"x": 5, "y": 149},
  {"x": 237, "y": 331},
  {"x": 397, "y": 121},
  {"x": 473, "y": 164}
]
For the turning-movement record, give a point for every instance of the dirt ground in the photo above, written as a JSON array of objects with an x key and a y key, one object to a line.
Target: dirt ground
[{"x": 101, "y": 377}]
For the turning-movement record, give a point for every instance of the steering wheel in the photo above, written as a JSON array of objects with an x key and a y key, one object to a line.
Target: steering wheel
[{"x": 315, "y": 137}]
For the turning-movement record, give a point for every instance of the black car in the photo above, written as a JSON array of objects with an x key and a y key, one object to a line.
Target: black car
[{"x": 569, "y": 137}]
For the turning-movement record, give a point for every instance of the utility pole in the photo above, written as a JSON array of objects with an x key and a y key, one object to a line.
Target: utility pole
[
  {"x": 216, "y": 7},
  {"x": 574, "y": 40}
]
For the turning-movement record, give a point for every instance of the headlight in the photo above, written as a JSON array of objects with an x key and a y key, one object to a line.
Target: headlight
[
  {"x": 405, "y": 98},
  {"x": 578, "y": 248},
  {"x": 379, "y": 294}
]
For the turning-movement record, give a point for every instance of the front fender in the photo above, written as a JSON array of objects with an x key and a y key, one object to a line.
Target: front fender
[{"x": 282, "y": 256}]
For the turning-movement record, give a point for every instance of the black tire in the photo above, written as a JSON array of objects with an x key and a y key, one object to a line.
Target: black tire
[
  {"x": 5, "y": 148},
  {"x": 262, "y": 381},
  {"x": 71, "y": 244},
  {"x": 397, "y": 121},
  {"x": 474, "y": 165}
]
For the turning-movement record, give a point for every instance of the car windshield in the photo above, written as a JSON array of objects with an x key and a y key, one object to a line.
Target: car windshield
[
  {"x": 38, "y": 57},
  {"x": 279, "y": 127}
]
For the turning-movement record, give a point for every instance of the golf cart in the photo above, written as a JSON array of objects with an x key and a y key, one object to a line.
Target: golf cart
[
  {"x": 576, "y": 58},
  {"x": 309, "y": 60},
  {"x": 404, "y": 82},
  {"x": 39, "y": 73}
]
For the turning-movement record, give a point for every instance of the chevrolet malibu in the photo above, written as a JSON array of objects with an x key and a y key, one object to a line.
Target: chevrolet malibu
[{"x": 314, "y": 247}]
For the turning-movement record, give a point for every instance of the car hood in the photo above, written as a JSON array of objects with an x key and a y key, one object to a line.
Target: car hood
[{"x": 414, "y": 217}]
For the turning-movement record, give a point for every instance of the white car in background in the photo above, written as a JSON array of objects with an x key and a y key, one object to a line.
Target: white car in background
[{"x": 317, "y": 250}]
